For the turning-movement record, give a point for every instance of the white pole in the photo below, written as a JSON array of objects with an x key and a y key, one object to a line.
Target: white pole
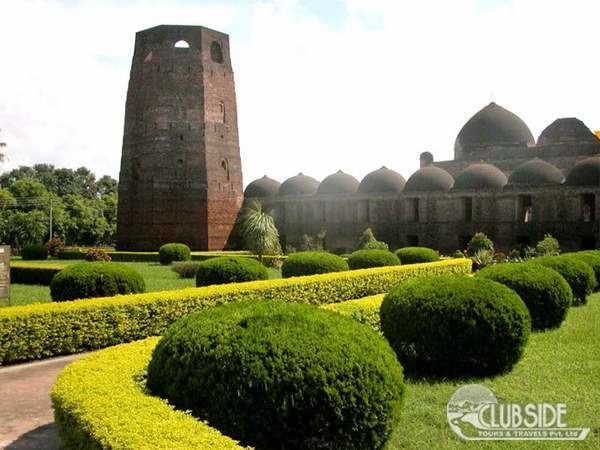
[{"x": 50, "y": 219}]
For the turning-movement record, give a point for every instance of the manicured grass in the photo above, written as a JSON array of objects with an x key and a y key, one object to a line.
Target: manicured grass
[
  {"x": 157, "y": 277},
  {"x": 559, "y": 366}
]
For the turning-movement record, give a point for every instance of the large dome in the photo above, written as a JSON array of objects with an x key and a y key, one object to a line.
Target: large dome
[
  {"x": 338, "y": 183},
  {"x": 382, "y": 180},
  {"x": 585, "y": 173},
  {"x": 492, "y": 126},
  {"x": 566, "y": 130},
  {"x": 299, "y": 185},
  {"x": 430, "y": 178},
  {"x": 535, "y": 173},
  {"x": 261, "y": 188},
  {"x": 480, "y": 176}
]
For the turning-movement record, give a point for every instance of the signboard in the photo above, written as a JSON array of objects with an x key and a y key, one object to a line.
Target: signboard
[{"x": 4, "y": 271}]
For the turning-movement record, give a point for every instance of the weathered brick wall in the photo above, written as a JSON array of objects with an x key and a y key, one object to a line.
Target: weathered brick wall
[
  {"x": 181, "y": 177},
  {"x": 442, "y": 222}
]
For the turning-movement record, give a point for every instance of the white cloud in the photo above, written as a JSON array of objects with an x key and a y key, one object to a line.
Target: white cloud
[{"x": 394, "y": 79}]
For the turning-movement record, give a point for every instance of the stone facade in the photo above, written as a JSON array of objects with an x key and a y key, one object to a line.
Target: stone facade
[
  {"x": 181, "y": 175},
  {"x": 552, "y": 187}
]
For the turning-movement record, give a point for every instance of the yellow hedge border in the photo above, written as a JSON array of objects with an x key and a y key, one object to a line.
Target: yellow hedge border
[
  {"x": 100, "y": 401},
  {"x": 363, "y": 310},
  {"x": 42, "y": 330}
]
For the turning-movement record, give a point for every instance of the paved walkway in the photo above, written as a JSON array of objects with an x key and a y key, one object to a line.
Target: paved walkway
[{"x": 26, "y": 420}]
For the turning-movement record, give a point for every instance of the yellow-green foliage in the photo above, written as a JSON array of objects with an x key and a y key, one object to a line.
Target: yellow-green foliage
[
  {"x": 33, "y": 273},
  {"x": 42, "y": 330},
  {"x": 364, "y": 310},
  {"x": 101, "y": 402}
]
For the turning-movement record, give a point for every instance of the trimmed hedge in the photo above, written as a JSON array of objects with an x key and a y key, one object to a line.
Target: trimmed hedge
[
  {"x": 34, "y": 252},
  {"x": 31, "y": 273},
  {"x": 591, "y": 258},
  {"x": 100, "y": 402},
  {"x": 185, "y": 269},
  {"x": 363, "y": 310},
  {"x": 455, "y": 326},
  {"x": 42, "y": 330},
  {"x": 281, "y": 376},
  {"x": 229, "y": 269},
  {"x": 312, "y": 263},
  {"x": 363, "y": 259},
  {"x": 95, "y": 279},
  {"x": 121, "y": 256},
  {"x": 578, "y": 274},
  {"x": 169, "y": 253},
  {"x": 415, "y": 255},
  {"x": 544, "y": 291}
]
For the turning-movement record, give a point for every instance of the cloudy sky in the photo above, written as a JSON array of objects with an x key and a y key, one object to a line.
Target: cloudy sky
[{"x": 322, "y": 85}]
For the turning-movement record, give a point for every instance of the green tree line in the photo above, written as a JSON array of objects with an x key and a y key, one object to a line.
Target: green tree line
[{"x": 84, "y": 209}]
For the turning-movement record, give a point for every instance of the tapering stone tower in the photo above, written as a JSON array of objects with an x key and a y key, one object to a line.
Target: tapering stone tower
[{"x": 181, "y": 174}]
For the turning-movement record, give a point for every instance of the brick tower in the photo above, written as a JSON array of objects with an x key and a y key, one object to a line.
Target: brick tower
[{"x": 181, "y": 174}]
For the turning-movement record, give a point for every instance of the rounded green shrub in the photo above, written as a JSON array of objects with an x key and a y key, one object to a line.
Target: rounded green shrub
[
  {"x": 578, "y": 274},
  {"x": 34, "y": 252},
  {"x": 173, "y": 252},
  {"x": 415, "y": 255},
  {"x": 312, "y": 263},
  {"x": 591, "y": 258},
  {"x": 363, "y": 259},
  {"x": 455, "y": 325},
  {"x": 276, "y": 375},
  {"x": 544, "y": 291},
  {"x": 95, "y": 279},
  {"x": 229, "y": 269},
  {"x": 185, "y": 269}
]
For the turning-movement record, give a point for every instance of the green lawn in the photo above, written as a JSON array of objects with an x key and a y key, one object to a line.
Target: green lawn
[
  {"x": 157, "y": 277},
  {"x": 560, "y": 366}
]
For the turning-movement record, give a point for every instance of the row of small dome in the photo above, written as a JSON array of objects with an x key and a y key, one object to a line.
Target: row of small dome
[
  {"x": 495, "y": 125},
  {"x": 535, "y": 172}
]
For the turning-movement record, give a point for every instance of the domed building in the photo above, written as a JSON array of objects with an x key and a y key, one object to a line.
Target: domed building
[
  {"x": 500, "y": 182},
  {"x": 299, "y": 185},
  {"x": 536, "y": 172},
  {"x": 338, "y": 183},
  {"x": 480, "y": 177},
  {"x": 262, "y": 188},
  {"x": 491, "y": 128},
  {"x": 382, "y": 180}
]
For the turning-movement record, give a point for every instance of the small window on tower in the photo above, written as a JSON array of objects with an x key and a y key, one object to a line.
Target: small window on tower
[
  {"x": 225, "y": 166},
  {"x": 182, "y": 44},
  {"x": 222, "y": 112},
  {"x": 216, "y": 54}
]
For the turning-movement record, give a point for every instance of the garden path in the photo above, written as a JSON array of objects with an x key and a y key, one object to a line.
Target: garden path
[{"x": 26, "y": 420}]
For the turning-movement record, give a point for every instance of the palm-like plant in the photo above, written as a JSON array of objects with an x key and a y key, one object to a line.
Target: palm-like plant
[{"x": 259, "y": 231}]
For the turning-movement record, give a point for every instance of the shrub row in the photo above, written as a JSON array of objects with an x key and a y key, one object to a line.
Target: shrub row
[
  {"x": 229, "y": 269},
  {"x": 31, "y": 273},
  {"x": 312, "y": 263},
  {"x": 42, "y": 330},
  {"x": 251, "y": 370},
  {"x": 415, "y": 255},
  {"x": 34, "y": 252},
  {"x": 87, "y": 415},
  {"x": 95, "y": 279},
  {"x": 578, "y": 274},
  {"x": 120, "y": 256},
  {"x": 455, "y": 325},
  {"x": 544, "y": 291},
  {"x": 363, "y": 259}
]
